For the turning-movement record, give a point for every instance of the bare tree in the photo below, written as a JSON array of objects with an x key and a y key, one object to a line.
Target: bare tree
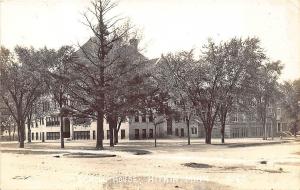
[{"x": 100, "y": 64}]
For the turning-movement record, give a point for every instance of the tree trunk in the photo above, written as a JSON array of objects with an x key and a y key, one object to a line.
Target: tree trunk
[
  {"x": 155, "y": 135},
  {"x": 112, "y": 122},
  {"x": 62, "y": 143},
  {"x": 14, "y": 132},
  {"x": 22, "y": 134},
  {"x": 272, "y": 130},
  {"x": 223, "y": 133},
  {"x": 111, "y": 136},
  {"x": 265, "y": 130},
  {"x": 19, "y": 133},
  {"x": 116, "y": 137},
  {"x": 29, "y": 130},
  {"x": 114, "y": 131},
  {"x": 100, "y": 135},
  {"x": 223, "y": 123},
  {"x": 208, "y": 131},
  {"x": 188, "y": 130},
  {"x": 9, "y": 132}
]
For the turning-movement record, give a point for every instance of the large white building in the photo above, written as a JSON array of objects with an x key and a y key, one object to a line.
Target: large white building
[{"x": 47, "y": 128}]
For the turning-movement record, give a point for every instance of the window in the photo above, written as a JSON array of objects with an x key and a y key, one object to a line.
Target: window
[
  {"x": 52, "y": 135},
  {"x": 176, "y": 132},
  {"x": 182, "y": 132},
  {"x": 36, "y": 136},
  {"x": 46, "y": 106},
  {"x": 136, "y": 118},
  {"x": 107, "y": 134},
  {"x": 82, "y": 121},
  {"x": 52, "y": 121},
  {"x": 278, "y": 127},
  {"x": 235, "y": 133},
  {"x": 136, "y": 133},
  {"x": 32, "y": 136},
  {"x": 150, "y": 133},
  {"x": 122, "y": 133},
  {"x": 194, "y": 130},
  {"x": 233, "y": 118},
  {"x": 144, "y": 134},
  {"x": 143, "y": 118},
  {"x": 81, "y": 135},
  {"x": 252, "y": 117},
  {"x": 270, "y": 110},
  {"x": 278, "y": 112},
  {"x": 94, "y": 135}
]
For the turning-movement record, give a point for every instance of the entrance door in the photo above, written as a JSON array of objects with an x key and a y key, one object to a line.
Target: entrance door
[{"x": 66, "y": 128}]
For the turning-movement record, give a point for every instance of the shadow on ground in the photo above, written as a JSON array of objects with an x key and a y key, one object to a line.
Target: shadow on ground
[
  {"x": 238, "y": 145},
  {"x": 150, "y": 183},
  {"x": 37, "y": 152},
  {"x": 88, "y": 155},
  {"x": 220, "y": 169}
]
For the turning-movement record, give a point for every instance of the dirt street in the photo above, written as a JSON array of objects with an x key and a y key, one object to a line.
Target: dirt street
[{"x": 239, "y": 164}]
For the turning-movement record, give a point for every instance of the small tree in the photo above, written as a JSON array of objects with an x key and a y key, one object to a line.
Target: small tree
[
  {"x": 267, "y": 90},
  {"x": 58, "y": 80}
]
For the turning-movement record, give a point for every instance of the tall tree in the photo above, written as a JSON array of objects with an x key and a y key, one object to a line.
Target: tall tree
[
  {"x": 205, "y": 87},
  {"x": 173, "y": 75},
  {"x": 99, "y": 69},
  {"x": 21, "y": 84},
  {"x": 241, "y": 60}
]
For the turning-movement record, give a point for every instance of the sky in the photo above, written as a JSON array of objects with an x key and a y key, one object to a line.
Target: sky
[{"x": 167, "y": 25}]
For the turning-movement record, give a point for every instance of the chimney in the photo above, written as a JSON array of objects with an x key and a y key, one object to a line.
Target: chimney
[{"x": 134, "y": 43}]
